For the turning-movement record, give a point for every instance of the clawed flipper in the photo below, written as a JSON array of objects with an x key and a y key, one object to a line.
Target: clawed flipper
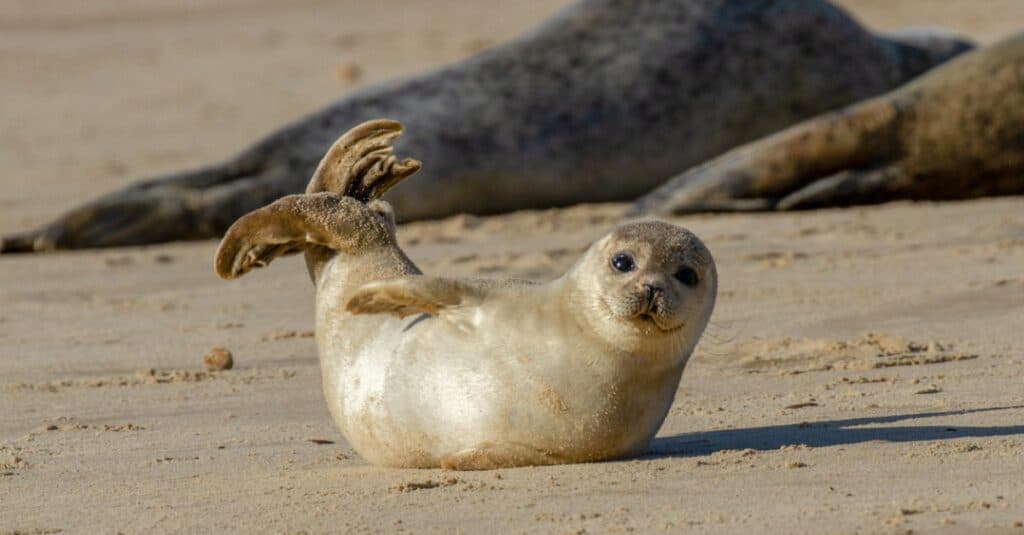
[{"x": 405, "y": 296}]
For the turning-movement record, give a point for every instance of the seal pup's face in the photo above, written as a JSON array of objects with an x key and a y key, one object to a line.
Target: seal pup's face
[{"x": 647, "y": 287}]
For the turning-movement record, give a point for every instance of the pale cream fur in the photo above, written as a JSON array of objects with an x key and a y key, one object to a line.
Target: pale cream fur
[{"x": 422, "y": 371}]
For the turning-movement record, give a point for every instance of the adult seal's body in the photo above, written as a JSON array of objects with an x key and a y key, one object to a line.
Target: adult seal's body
[
  {"x": 477, "y": 374},
  {"x": 601, "y": 103},
  {"x": 954, "y": 133}
]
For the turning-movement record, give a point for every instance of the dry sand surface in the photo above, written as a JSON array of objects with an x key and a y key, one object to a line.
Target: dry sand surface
[{"x": 863, "y": 372}]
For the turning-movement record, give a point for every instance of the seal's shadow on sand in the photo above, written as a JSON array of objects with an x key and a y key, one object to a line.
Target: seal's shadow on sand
[{"x": 827, "y": 433}]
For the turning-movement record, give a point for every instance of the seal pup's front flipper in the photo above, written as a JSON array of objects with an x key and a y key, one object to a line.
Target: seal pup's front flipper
[{"x": 418, "y": 294}]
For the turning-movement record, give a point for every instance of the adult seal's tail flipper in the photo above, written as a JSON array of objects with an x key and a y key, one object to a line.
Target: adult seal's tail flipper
[
  {"x": 956, "y": 132},
  {"x": 194, "y": 204},
  {"x": 564, "y": 114}
]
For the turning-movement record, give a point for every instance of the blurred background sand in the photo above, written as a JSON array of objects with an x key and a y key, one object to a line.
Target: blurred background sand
[{"x": 863, "y": 371}]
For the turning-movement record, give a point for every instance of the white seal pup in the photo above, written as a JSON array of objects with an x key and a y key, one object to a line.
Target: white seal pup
[{"x": 423, "y": 371}]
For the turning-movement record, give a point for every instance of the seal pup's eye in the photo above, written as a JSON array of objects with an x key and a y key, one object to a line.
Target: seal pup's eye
[
  {"x": 623, "y": 262},
  {"x": 687, "y": 276}
]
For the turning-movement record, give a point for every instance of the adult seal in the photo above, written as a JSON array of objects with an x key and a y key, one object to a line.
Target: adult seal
[
  {"x": 423, "y": 371},
  {"x": 603, "y": 102},
  {"x": 955, "y": 133}
]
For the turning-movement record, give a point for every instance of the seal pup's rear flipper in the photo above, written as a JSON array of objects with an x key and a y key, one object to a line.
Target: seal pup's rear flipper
[
  {"x": 405, "y": 296},
  {"x": 295, "y": 223},
  {"x": 341, "y": 210},
  {"x": 362, "y": 164}
]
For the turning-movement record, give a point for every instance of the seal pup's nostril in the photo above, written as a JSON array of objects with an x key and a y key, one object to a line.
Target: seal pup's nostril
[{"x": 652, "y": 294}]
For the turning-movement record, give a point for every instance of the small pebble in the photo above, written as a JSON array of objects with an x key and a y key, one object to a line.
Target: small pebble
[
  {"x": 348, "y": 73},
  {"x": 218, "y": 359}
]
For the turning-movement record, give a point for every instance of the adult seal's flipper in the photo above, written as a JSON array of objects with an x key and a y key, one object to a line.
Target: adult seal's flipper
[
  {"x": 754, "y": 176},
  {"x": 955, "y": 133}
]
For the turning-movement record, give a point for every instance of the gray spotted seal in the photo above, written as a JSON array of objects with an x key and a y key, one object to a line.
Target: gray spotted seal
[
  {"x": 603, "y": 102},
  {"x": 956, "y": 132},
  {"x": 424, "y": 371}
]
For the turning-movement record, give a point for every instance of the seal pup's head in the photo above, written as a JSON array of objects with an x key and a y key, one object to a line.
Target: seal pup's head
[{"x": 647, "y": 287}]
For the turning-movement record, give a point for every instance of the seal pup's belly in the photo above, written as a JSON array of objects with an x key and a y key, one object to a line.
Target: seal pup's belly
[{"x": 421, "y": 390}]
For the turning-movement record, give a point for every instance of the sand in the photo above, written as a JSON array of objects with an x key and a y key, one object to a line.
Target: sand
[{"x": 863, "y": 372}]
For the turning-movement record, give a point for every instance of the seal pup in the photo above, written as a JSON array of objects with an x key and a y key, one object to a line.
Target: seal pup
[
  {"x": 424, "y": 371},
  {"x": 954, "y": 133},
  {"x": 603, "y": 102}
]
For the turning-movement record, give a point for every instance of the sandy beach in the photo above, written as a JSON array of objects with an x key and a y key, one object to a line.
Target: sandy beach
[{"x": 863, "y": 372}]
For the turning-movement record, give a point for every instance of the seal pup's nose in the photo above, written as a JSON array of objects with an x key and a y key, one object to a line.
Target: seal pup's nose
[{"x": 652, "y": 295}]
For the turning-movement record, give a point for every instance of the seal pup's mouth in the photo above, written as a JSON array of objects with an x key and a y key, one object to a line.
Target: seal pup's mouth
[
  {"x": 649, "y": 313},
  {"x": 647, "y": 318}
]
